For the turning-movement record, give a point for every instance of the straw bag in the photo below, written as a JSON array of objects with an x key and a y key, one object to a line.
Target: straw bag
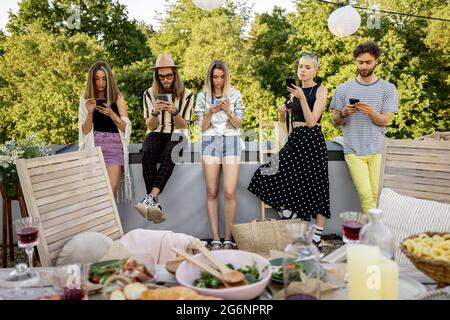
[{"x": 261, "y": 236}]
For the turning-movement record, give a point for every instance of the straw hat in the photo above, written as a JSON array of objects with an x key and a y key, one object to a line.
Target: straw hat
[{"x": 165, "y": 60}]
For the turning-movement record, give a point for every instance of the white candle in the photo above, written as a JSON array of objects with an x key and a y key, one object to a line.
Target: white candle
[
  {"x": 389, "y": 279},
  {"x": 364, "y": 274}
]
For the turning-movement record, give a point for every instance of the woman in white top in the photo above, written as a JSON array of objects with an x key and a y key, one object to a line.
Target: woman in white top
[{"x": 220, "y": 111}]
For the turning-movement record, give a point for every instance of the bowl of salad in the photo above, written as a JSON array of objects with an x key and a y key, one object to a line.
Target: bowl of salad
[{"x": 257, "y": 271}]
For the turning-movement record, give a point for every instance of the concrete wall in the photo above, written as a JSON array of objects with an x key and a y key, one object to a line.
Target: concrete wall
[{"x": 184, "y": 197}]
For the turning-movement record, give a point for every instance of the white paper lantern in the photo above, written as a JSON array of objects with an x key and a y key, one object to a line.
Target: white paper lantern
[
  {"x": 208, "y": 4},
  {"x": 344, "y": 21}
]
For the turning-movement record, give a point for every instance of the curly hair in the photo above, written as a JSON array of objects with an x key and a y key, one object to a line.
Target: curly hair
[{"x": 367, "y": 47}]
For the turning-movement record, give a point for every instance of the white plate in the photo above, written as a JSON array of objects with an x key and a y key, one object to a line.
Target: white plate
[{"x": 410, "y": 289}]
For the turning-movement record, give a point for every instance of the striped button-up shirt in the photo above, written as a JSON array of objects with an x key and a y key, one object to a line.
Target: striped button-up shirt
[
  {"x": 219, "y": 122},
  {"x": 166, "y": 123}
]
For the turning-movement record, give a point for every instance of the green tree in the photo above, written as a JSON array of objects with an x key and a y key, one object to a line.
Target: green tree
[
  {"x": 42, "y": 76},
  {"x": 195, "y": 37},
  {"x": 106, "y": 20},
  {"x": 133, "y": 80},
  {"x": 419, "y": 69}
]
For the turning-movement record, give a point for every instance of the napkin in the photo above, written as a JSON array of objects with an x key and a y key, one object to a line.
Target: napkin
[{"x": 117, "y": 252}]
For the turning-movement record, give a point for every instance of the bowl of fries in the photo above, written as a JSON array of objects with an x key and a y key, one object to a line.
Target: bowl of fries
[{"x": 430, "y": 253}]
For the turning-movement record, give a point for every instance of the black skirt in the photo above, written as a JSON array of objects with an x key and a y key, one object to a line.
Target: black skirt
[{"x": 297, "y": 177}]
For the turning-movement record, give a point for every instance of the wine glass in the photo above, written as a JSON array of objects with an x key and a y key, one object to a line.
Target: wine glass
[
  {"x": 28, "y": 235},
  {"x": 352, "y": 222}
]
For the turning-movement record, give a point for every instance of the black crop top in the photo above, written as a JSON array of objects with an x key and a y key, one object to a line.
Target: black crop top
[
  {"x": 103, "y": 123},
  {"x": 310, "y": 94}
]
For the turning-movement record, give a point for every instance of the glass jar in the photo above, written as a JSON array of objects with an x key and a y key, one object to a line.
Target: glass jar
[
  {"x": 376, "y": 233},
  {"x": 301, "y": 264}
]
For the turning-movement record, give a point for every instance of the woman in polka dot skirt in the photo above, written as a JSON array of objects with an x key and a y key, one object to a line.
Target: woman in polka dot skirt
[{"x": 295, "y": 181}]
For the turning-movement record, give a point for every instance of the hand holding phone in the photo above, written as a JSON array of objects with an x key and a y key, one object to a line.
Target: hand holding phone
[
  {"x": 290, "y": 82},
  {"x": 163, "y": 97},
  {"x": 354, "y": 101},
  {"x": 100, "y": 102}
]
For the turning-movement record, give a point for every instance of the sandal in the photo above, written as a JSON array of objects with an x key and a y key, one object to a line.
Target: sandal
[
  {"x": 216, "y": 245},
  {"x": 229, "y": 245}
]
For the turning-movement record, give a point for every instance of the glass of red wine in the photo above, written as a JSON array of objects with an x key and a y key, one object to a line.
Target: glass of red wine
[
  {"x": 352, "y": 223},
  {"x": 27, "y": 230}
]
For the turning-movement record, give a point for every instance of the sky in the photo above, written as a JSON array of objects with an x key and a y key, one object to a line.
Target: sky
[{"x": 146, "y": 10}]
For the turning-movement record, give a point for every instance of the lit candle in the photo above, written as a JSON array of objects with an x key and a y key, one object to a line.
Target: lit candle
[
  {"x": 364, "y": 274},
  {"x": 389, "y": 279}
]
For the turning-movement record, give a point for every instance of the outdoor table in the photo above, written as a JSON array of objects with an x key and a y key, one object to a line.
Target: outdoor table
[{"x": 44, "y": 288}]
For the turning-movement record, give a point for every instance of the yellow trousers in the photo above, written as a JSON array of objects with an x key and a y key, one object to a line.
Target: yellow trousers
[{"x": 365, "y": 172}]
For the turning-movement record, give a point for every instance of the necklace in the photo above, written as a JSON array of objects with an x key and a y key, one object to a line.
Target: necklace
[{"x": 310, "y": 90}]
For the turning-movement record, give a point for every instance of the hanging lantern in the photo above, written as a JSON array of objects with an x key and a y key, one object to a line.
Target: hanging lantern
[
  {"x": 208, "y": 4},
  {"x": 344, "y": 21}
]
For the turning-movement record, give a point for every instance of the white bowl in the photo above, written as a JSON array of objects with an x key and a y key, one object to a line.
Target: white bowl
[{"x": 187, "y": 272}]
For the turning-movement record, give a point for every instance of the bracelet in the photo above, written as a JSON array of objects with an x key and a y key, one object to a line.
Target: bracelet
[
  {"x": 174, "y": 114},
  {"x": 155, "y": 113}
]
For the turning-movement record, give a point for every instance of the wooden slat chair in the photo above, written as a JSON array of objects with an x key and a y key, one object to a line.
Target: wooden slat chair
[
  {"x": 279, "y": 133},
  {"x": 71, "y": 194},
  {"x": 417, "y": 168}
]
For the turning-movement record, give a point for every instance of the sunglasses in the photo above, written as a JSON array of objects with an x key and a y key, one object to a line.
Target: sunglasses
[
  {"x": 310, "y": 54},
  {"x": 168, "y": 76}
]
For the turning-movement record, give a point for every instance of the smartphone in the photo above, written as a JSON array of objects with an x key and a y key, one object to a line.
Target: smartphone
[
  {"x": 163, "y": 97},
  {"x": 354, "y": 101},
  {"x": 290, "y": 82},
  {"x": 100, "y": 102},
  {"x": 218, "y": 101}
]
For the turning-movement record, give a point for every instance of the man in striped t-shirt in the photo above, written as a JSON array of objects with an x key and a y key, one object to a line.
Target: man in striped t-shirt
[
  {"x": 364, "y": 107},
  {"x": 167, "y": 112}
]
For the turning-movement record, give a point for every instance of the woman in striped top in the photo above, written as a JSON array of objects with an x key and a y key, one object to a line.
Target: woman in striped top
[{"x": 220, "y": 111}]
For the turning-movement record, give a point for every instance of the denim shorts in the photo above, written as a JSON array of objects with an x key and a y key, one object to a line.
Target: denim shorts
[{"x": 221, "y": 146}]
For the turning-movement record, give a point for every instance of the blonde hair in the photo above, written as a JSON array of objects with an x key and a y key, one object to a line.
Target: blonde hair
[
  {"x": 177, "y": 85},
  {"x": 112, "y": 90},
  {"x": 209, "y": 85}
]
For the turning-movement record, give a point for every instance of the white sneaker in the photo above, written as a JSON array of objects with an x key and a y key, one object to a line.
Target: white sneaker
[{"x": 150, "y": 209}]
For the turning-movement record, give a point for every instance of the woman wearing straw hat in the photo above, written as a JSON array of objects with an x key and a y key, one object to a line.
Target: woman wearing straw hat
[{"x": 167, "y": 110}]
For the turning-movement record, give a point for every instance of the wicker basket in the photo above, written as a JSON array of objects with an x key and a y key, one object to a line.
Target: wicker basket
[{"x": 438, "y": 270}]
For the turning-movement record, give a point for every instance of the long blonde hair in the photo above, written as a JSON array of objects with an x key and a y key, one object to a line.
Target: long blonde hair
[
  {"x": 177, "y": 85},
  {"x": 209, "y": 85},
  {"x": 112, "y": 91}
]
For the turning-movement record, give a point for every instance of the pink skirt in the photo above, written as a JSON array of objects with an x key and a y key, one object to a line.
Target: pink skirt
[{"x": 111, "y": 146}]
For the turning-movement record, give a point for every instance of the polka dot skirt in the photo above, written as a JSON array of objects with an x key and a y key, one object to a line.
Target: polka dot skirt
[{"x": 297, "y": 177}]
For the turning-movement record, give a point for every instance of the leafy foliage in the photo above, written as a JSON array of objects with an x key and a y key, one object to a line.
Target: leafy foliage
[
  {"x": 31, "y": 147},
  {"x": 42, "y": 77},
  {"x": 43, "y": 63},
  {"x": 105, "y": 20}
]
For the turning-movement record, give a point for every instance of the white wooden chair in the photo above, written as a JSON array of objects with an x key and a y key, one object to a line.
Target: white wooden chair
[
  {"x": 417, "y": 168},
  {"x": 70, "y": 193}
]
